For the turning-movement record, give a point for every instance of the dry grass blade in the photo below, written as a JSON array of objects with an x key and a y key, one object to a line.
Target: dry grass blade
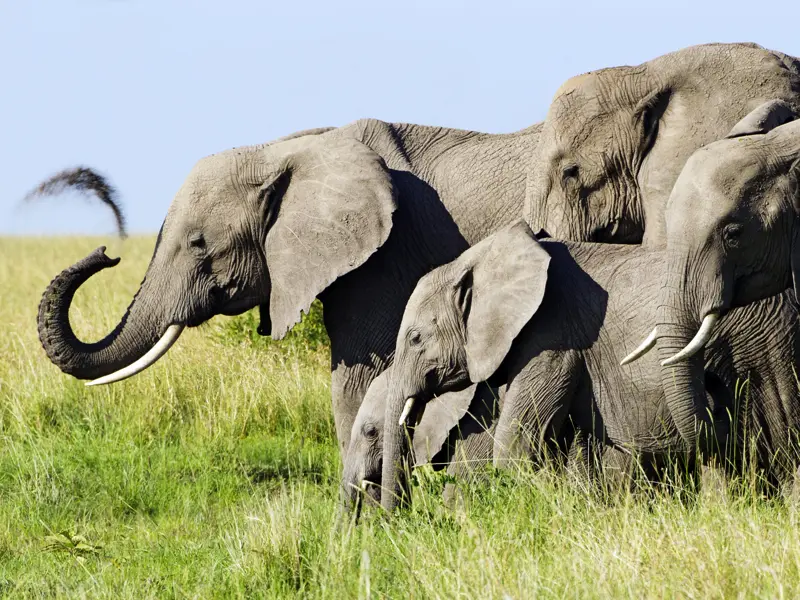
[{"x": 82, "y": 179}]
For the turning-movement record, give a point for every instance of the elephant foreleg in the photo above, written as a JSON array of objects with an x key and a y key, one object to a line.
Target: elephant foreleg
[
  {"x": 349, "y": 385},
  {"x": 536, "y": 406}
]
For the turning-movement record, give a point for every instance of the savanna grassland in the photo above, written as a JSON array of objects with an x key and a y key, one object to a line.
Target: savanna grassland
[{"x": 215, "y": 474}]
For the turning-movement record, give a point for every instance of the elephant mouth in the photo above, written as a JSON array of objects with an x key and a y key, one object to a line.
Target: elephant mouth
[
  {"x": 227, "y": 301},
  {"x": 616, "y": 231}
]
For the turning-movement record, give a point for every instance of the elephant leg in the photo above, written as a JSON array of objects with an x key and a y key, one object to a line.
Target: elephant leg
[
  {"x": 619, "y": 470},
  {"x": 470, "y": 443},
  {"x": 536, "y": 406},
  {"x": 349, "y": 385},
  {"x": 713, "y": 481},
  {"x": 584, "y": 458},
  {"x": 472, "y": 455}
]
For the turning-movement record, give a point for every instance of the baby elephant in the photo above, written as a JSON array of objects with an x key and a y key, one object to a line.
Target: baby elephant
[
  {"x": 553, "y": 320},
  {"x": 454, "y": 432}
]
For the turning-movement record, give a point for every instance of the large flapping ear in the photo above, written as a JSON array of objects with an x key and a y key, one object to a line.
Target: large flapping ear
[
  {"x": 334, "y": 211},
  {"x": 441, "y": 415},
  {"x": 503, "y": 287},
  {"x": 763, "y": 119}
]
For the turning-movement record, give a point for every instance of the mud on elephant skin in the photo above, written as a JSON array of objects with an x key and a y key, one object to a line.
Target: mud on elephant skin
[
  {"x": 615, "y": 140},
  {"x": 553, "y": 320},
  {"x": 353, "y": 215},
  {"x": 445, "y": 437}
]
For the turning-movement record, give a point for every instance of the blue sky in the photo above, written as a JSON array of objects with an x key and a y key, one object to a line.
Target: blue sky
[{"x": 142, "y": 89}]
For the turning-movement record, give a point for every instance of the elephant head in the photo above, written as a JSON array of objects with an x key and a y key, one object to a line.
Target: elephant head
[
  {"x": 615, "y": 140},
  {"x": 733, "y": 237},
  {"x": 270, "y": 225},
  {"x": 363, "y": 462},
  {"x": 457, "y": 329}
]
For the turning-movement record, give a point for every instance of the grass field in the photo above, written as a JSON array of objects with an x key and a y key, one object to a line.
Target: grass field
[{"x": 214, "y": 474}]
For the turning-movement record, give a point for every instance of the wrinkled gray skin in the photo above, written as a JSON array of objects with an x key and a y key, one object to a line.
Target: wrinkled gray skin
[
  {"x": 553, "y": 320},
  {"x": 615, "y": 140},
  {"x": 733, "y": 238},
  {"x": 451, "y": 434},
  {"x": 353, "y": 215}
]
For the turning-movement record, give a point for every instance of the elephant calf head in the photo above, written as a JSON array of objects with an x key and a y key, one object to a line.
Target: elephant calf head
[
  {"x": 270, "y": 225},
  {"x": 457, "y": 329},
  {"x": 363, "y": 462}
]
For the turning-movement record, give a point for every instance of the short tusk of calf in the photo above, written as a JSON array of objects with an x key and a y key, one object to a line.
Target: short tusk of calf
[
  {"x": 700, "y": 339},
  {"x": 406, "y": 411},
  {"x": 170, "y": 336},
  {"x": 644, "y": 348}
]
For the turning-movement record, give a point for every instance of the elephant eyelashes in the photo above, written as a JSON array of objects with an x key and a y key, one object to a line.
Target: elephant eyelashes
[{"x": 732, "y": 234}]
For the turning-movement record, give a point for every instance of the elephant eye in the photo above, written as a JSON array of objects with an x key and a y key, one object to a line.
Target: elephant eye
[
  {"x": 197, "y": 242},
  {"x": 569, "y": 173},
  {"x": 414, "y": 338},
  {"x": 732, "y": 234},
  {"x": 369, "y": 430}
]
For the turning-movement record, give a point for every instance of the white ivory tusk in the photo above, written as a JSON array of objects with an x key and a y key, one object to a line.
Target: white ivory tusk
[
  {"x": 406, "y": 411},
  {"x": 644, "y": 348},
  {"x": 364, "y": 485},
  {"x": 698, "y": 341},
  {"x": 170, "y": 336}
]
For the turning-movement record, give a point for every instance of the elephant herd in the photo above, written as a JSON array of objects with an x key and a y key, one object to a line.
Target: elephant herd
[{"x": 495, "y": 297}]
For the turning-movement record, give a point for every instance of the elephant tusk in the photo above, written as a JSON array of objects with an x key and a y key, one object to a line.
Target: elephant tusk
[
  {"x": 643, "y": 348},
  {"x": 170, "y": 336},
  {"x": 364, "y": 485},
  {"x": 406, "y": 411},
  {"x": 700, "y": 339}
]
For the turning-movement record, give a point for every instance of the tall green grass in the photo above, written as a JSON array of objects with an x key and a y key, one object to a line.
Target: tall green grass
[{"x": 215, "y": 473}]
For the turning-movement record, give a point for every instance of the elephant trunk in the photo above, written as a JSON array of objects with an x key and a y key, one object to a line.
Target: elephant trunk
[
  {"x": 397, "y": 459},
  {"x": 138, "y": 331},
  {"x": 350, "y": 490},
  {"x": 683, "y": 381}
]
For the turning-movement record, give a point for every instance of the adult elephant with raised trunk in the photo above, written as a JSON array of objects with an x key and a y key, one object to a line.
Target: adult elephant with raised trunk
[
  {"x": 353, "y": 215},
  {"x": 615, "y": 140}
]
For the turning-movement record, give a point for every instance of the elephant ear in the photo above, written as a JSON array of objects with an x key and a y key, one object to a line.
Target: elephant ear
[
  {"x": 500, "y": 291},
  {"x": 441, "y": 415},
  {"x": 335, "y": 211},
  {"x": 648, "y": 113},
  {"x": 764, "y": 119}
]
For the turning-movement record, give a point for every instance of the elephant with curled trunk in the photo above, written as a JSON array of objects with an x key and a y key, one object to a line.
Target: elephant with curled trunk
[
  {"x": 552, "y": 321},
  {"x": 353, "y": 216},
  {"x": 615, "y": 140},
  {"x": 733, "y": 239}
]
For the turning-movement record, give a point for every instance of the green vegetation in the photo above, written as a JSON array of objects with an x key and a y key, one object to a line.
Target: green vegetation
[{"x": 214, "y": 474}]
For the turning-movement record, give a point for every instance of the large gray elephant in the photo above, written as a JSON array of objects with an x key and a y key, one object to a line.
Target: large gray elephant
[
  {"x": 733, "y": 238},
  {"x": 615, "y": 140},
  {"x": 553, "y": 320},
  {"x": 353, "y": 215}
]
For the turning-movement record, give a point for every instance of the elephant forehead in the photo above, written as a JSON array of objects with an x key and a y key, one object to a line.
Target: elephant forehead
[{"x": 734, "y": 167}]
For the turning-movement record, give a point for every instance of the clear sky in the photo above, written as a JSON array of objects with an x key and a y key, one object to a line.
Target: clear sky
[{"x": 141, "y": 89}]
